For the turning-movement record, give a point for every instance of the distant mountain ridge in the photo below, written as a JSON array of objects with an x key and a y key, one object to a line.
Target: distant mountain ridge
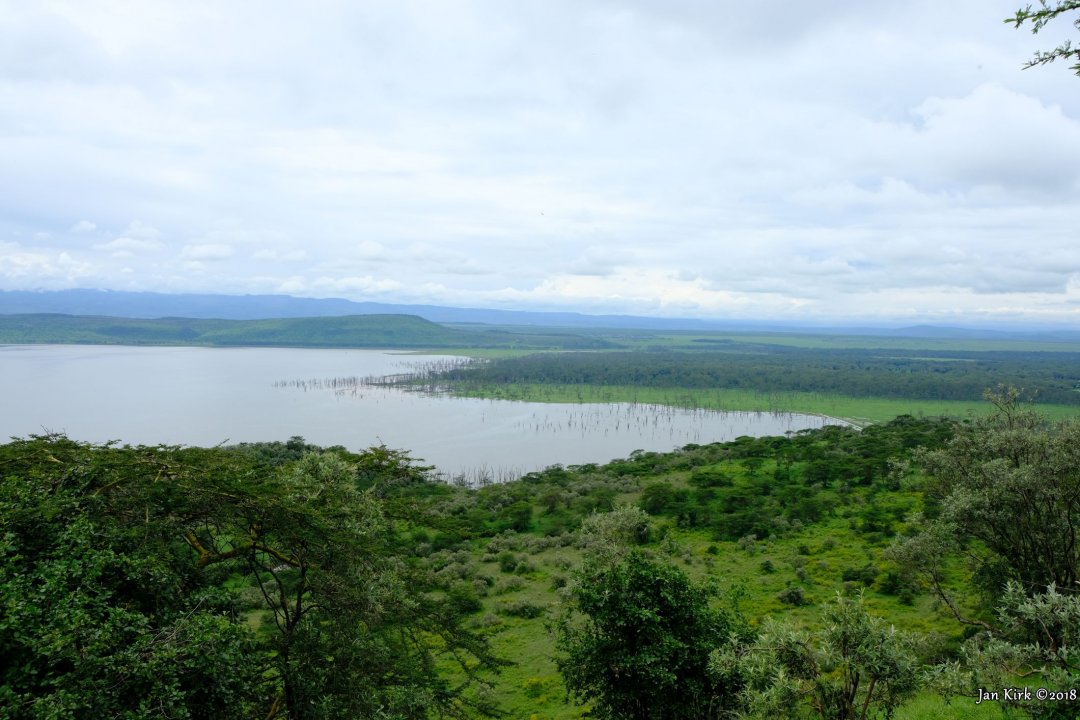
[
  {"x": 148, "y": 305},
  {"x": 114, "y": 303},
  {"x": 343, "y": 331}
]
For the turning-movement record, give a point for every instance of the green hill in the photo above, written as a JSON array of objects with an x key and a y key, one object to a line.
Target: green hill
[{"x": 351, "y": 331}]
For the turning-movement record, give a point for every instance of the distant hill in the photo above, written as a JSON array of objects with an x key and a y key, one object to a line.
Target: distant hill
[
  {"x": 149, "y": 305},
  {"x": 375, "y": 331},
  {"x": 260, "y": 307}
]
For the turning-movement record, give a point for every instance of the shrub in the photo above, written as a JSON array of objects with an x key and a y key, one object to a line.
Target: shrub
[
  {"x": 522, "y": 609},
  {"x": 792, "y": 595},
  {"x": 508, "y": 561}
]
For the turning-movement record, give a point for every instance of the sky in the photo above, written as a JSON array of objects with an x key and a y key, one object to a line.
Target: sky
[{"x": 827, "y": 162}]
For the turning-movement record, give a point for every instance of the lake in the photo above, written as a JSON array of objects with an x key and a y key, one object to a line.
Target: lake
[{"x": 209, "y": 396}]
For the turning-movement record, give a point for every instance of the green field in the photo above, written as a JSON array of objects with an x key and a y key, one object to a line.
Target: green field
[{"x": 858, "y": 411}]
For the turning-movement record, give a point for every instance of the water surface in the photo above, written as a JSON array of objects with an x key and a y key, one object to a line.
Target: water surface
[{"x": 208, "y": 396}]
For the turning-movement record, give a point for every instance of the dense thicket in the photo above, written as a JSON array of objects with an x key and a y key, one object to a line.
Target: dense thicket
[
  {"x": 192, "y": 583},
  {"x": 922, "y": 374}
]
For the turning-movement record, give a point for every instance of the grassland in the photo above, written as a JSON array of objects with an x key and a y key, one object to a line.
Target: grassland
[
  {"x": 856, "y": 410},
  {"x": 843, "y": 551}
]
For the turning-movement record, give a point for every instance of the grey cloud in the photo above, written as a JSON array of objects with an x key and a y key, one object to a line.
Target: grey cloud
[{"x": 690, "y": 157}]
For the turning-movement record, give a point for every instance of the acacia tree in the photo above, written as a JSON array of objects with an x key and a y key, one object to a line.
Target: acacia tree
[
  {"x": 1004, "y": 498},
  {"x": 118, "y": 575},
  {"x": 102, "y": 611},
  {"x": 1038, "y": 19},
  {"x": 636, "y": 639},
  {"x": 855, "y": 667},
  {"x": 642, "y": 647},
  {"x": 1005, "y": 495},
  {"x": 355, "y": 635},
  {"x": 1035, "y": 636}
]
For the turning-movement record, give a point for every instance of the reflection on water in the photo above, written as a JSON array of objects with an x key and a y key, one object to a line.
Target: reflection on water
[{"x": 203, "y": 396}]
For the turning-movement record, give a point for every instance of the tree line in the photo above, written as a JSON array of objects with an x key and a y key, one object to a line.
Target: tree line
[{"x": 929, "y": 375}]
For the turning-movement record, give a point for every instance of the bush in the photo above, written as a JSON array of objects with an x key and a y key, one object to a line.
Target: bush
[
  {"x": 464, "y": 599},
  {"x": 792, "y": 595},
  {"x": 534, "y": 687},
  {"x": 866, "y": 575},
  {"x": 522, "y": 609},
  {"x": 508, "y": 561},
  {"x": 509, "y": 584},
  {"x": 710, "y": 478}
]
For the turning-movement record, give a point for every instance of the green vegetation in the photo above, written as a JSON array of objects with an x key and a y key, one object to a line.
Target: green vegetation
[
  {"x": 854, "y": 666},
  {"x": 1006, "y": 496},
  {"x": 165, "y": 582},
  {"x": 761, "y": 576},
  {"x": 860, "y": 411},
  {"x": 1039, "y": 17},
  {"x": 1049, "y": 377},
  {"x": 858, "y": 385},
  {"x": 811, "y": 340},
  {"x": 642, "y": 648}
]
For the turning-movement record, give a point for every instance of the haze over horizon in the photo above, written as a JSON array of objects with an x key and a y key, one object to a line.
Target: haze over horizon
[{"x": 841, "y": 162}]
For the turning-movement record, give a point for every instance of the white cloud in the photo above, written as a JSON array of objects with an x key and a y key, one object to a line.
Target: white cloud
[
  {"x": 654, "y": 157},
  {"x": 206, "y": 251},
  {"x": 125, "y": 247},
  {"x": 23, "y": 269},
  {"x": 139, "y": 229},
  {"x": 280, "y": 255}
]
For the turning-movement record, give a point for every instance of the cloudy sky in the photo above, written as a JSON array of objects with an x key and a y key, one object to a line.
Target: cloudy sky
[{"x": 856, "y": 160}]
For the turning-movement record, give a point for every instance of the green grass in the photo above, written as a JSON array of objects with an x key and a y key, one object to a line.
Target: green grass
[
  {"x": 813, "y": 558},
  {"x": 481, "y": 353},
  {"x": 532, "y": 686},
  {"x": 860, "y": 411},
  {"x": 927, "y": 706}
]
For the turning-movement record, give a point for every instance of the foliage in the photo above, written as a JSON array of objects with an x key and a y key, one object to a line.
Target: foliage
[
  {"x": 1005, "y": 492},
  {"x": 1039, "y": 18},
  {"x": 924, "y": 374},
  {"x": 102, "y": 611},
  {"x": 1038, "y": 636},
  {"x": 122, "y": 567},
  {"x": 642, "y": 646},
  {"x": 854, "y": 667},
  {"x": 609, "y": 535},
  {"x": 1006, "y": 496}
]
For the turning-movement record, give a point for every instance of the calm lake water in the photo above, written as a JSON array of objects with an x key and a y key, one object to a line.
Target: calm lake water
[{"x": 207, "y": 396}]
